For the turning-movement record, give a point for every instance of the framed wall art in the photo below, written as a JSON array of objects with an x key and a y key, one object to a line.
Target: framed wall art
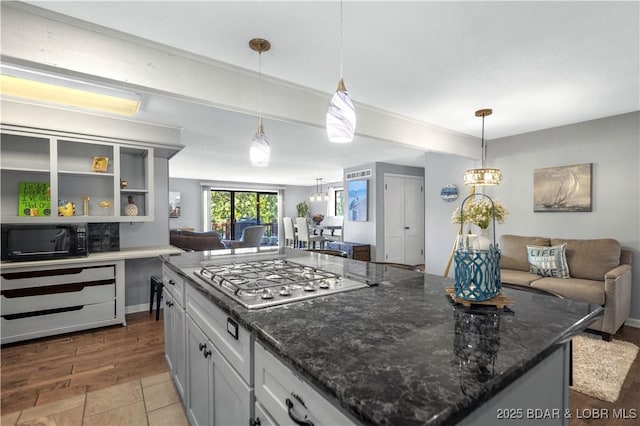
[
  {"x": 562, "y": 189},
  {"x": 100, "y": 164},
  {"x": 357, "y": 200}
]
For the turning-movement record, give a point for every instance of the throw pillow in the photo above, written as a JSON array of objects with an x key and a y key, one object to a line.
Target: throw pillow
[{"x": 548, "y": 261}]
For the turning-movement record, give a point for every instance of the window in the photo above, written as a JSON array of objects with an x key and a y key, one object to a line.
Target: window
[
  {"x": 338, "y": 201},
  {"x": 232, "y": 211}
]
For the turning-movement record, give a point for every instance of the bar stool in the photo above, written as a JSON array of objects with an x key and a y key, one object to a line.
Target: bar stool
[{"x": 156, "y": 287}]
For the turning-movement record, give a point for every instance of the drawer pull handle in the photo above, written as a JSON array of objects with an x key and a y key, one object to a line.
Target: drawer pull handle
[
  {"x": 172, "y": 282},
  {"x": 202, "y": 346},
  {"x": 206, "y": 353},
  {"x": 292, "y": 416},
  {"x": 168, "y": 303},
  {"x": 255, "y": 422}
]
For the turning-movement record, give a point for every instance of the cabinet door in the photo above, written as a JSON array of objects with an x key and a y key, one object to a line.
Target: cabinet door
[
  {"x": 179, "y": 340},
  {"x": 199, "y": 377},
  {"x": 232, "y": 396},
  {"x": 169, "y": 345}
]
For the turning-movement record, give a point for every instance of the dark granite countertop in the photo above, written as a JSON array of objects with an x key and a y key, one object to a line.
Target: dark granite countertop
[{"x": 401, "y": 353}]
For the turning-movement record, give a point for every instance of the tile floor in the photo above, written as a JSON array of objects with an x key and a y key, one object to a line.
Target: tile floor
[{"x": 151, "y": 401}]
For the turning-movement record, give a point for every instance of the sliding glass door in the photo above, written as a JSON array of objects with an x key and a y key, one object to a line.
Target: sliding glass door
[{"x": 232, "y": 211}]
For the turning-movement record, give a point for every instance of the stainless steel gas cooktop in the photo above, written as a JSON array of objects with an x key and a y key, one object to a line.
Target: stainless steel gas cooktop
[{"x": 264, "y": 283}]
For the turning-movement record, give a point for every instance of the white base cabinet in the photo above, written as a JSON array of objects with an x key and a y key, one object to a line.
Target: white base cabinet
[
  {"x": 174, "y": 338},
  {"x": 286, "y": 399},
  {"x": 217, "y": 395},
  {"x": 44, "y": 301}
]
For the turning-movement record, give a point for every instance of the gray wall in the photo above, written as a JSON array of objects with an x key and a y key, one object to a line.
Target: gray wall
[
  {"x": 613, "y": 146},
  {"x": 441, "y": 170},
  {"x": 139, "y": 234},
  {"x": 191, "y": 204}
]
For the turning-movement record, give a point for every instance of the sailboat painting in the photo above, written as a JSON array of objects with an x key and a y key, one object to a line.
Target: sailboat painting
[{"x": 562, "y": 189}]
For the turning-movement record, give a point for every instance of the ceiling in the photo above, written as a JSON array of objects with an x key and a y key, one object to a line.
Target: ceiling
[{"x": 537, "y": 64}]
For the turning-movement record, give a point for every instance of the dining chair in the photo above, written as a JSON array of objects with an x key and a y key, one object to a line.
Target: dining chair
[
  {"x": 289, "y": 233},
  {"x": 305, "y": 239}
]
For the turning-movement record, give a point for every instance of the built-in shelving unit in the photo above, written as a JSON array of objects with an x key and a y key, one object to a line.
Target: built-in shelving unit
[{"x": 64, "y": 162}]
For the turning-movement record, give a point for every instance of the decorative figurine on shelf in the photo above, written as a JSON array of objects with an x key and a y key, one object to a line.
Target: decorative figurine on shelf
[
  {"x": 66, "y": 208},
  {"x": 105, "y": 205},
  {"x": 130, "y": 209},
  {"x": 85, "y": 206},
  {"x": 123, "y": 184}
]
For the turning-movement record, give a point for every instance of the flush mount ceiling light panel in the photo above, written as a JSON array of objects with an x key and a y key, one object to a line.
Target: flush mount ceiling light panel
[
  {"x": 260, "y": 151},
  {"x": 341, "y": 114},
  {"x": 53, "y": 90},
  {"x": 484, "y": 176}
]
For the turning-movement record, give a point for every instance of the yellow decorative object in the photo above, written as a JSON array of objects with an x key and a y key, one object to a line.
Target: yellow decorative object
[{"x": 66, "y": 208}]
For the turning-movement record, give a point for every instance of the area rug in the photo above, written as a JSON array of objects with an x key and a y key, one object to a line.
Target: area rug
[{"x": 599, "y": 367}]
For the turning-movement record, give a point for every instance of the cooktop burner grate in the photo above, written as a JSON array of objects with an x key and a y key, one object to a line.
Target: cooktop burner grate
[{"x": 257, "y": 284}]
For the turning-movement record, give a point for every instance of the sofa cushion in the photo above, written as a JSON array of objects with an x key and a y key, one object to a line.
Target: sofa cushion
[
  {"x": 511, "y": 276},
  {"x": 587, "y": 291},
  {"x": 591, "y": 259},
  {"x": 548, "y": 261},
  {"x": 513, "y": 251}
]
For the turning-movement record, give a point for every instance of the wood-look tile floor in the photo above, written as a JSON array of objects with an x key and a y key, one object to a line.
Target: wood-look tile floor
[{"x": 42, "y": 377}]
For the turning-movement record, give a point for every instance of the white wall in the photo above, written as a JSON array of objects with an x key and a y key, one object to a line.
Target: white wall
[
  {"x": 441, "y": 170},
  {"x": 613, "y": 146}
]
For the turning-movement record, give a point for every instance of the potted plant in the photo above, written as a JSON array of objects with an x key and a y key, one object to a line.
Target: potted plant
[{"x": 303, "y": 209}]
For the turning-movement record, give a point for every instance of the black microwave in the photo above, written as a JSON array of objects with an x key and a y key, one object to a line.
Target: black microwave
[{"x": 43, "y": 242}]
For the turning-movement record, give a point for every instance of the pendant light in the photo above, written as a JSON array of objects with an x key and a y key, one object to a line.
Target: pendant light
[
  {"x": 341, "y": 114},
  {"x": 319, "y": 195},
  {"x": 484, "y": 176},
  {"x": 260, "y": 150}
]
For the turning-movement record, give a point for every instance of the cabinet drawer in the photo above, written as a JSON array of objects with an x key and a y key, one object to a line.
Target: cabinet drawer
[
  {"x": 66, "y": 295},
  {"x": 262, "y": 416},
  {"x": 219, "y": 327},
  {"x": 46, "y": 277},
  {"x": 174, "y": 284},
  {"x": 40, "y": 324},
  {"x": 275, "y": 383}
]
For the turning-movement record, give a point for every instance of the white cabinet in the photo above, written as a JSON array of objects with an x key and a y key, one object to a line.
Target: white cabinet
[
  {"x": 174, "y": 328},
  {"x": 174, "y": 340},
  {"x": 217, "y": 395},
  {"x": 284, "y": 398},
  {"x": 64, "y": 164},
  {"x": 43, "y": 301}
]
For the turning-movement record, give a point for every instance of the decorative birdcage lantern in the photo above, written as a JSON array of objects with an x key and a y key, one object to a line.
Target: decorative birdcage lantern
[{"x": 477, "y": 271}]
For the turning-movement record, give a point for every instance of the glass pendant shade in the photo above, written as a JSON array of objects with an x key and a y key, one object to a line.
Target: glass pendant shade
[
  {"x": 482, "y": 177},
  {"x": 260, "y": 150},
  {"x": 341, "y": 116}
]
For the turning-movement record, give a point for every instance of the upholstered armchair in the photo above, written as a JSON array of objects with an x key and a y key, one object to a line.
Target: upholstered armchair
[{"x": 251, "y": 237}]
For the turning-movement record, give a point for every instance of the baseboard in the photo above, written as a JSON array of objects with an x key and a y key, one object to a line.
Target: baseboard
[
  {"x": 632, "y": 322},
  {"x": 132, "y": 309}
]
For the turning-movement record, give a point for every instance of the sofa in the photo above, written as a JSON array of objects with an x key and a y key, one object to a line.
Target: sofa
[
  {"x": 195, "y": 241},
  {"x": 598, "y": 272}
]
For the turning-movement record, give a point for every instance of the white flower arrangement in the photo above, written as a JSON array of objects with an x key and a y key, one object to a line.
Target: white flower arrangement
[{"x": 480, "y": 212}]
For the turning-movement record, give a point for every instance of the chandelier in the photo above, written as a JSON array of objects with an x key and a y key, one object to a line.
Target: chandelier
[{"x": 484, "y": 176}]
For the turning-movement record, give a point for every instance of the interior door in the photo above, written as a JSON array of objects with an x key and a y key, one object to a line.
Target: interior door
[
  {"x": 404, "y": 219},
  {"x": 413, "y": 221},
  {"x": 393, "y": 219}
]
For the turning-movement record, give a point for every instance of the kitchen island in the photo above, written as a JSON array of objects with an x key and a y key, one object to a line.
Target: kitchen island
[{"x": 401, "y": 353}]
